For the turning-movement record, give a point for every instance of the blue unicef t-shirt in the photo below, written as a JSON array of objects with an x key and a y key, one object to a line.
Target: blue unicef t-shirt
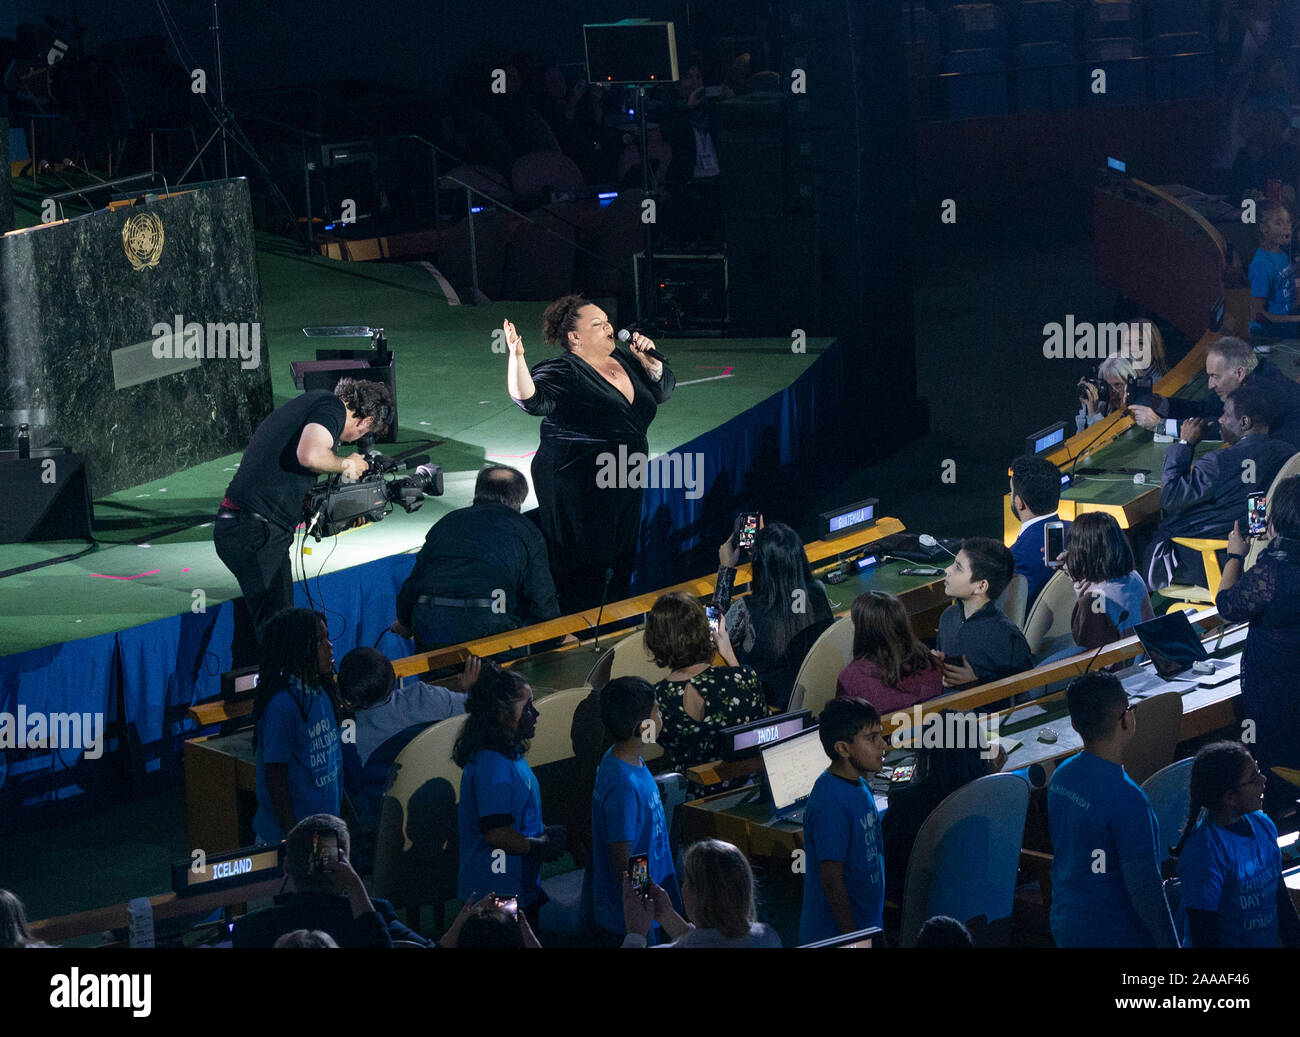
[
  {"x": 493, "y": 785},
  {"x": 1272, "y": 277},
  {"x": 311, "y": 749},
  {"x": 1234, "y": 875},
  {"x": 841, "y": 823},
  {"x": 626, "y": 808},
  {"x": 1098, "y": 817}
]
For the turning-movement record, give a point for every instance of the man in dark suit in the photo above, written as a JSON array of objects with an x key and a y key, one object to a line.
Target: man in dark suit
[
  {"x": 1204, "y": 499},
  {"x": 1230, "y": 363},
  {"x": 327, "y": 895},
  {"x": 1035, "y": 495}
]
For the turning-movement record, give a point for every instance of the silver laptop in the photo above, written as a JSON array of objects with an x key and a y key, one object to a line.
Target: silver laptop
[{"x": 791, "y": 767}]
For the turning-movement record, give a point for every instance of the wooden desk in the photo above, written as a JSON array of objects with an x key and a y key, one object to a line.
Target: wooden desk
[
  {"x": 165, "y": 906},
  {"x": 220, "y": 790}
]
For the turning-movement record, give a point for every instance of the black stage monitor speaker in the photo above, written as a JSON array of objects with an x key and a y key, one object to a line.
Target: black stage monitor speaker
[{"x": 631, "y": 51}]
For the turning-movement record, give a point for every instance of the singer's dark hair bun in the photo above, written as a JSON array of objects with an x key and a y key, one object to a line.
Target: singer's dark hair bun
[{"x": 560, "y": 318}]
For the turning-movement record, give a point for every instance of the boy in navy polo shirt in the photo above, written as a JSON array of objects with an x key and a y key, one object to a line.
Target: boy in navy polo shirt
[
  {"x": 844, "y": 877},
  {"x": 1106, "y": 888},
  {"x": 627, "y": 814},
  {"x": 973, "y": 627}
]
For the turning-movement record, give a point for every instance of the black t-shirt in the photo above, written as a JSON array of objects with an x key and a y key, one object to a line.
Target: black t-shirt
[{"x": 270, "y": 480}]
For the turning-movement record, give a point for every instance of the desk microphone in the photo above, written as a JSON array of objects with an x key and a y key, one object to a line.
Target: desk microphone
[
  {"x": 926, "y": 540},
  {"x": 609, "y": 575},
  {"x": 625, "y": 335},
  {"x": 1122, "y": 616}
]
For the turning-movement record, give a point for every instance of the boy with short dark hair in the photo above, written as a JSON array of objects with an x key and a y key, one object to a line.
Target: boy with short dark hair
[
  {"x": 844, "y": 876},
  {"x": 627, "y": 814},
  {"x": 1035, "y": 497},
  {"x": 973, "y": 627},
  {"x": 1106, "y": 888}
]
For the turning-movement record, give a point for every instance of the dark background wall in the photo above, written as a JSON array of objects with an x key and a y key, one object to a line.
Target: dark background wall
[{"x": 271, "y": 43}]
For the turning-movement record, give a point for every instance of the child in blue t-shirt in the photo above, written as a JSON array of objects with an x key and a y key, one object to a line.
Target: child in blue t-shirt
[
  {"x": 844, "y": 855},
  {"x": 1273, "y": 309},
  {"x": 1106, "y": 888},
  {"x": 1229, "y": 863},
  {"x": 295, "y": 730},
  {"x": 503, "y": 842},
  {"x": 627, "y": 814}
]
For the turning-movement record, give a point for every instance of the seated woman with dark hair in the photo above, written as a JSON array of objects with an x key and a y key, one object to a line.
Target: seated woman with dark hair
[
  {"x": 785, "y": 612},
  {"x": 939, "y": 773},
  {"x": 1268, "y": 598},
  {"x": 1113, "y": 596},
  {"x": 697, "y": 700},
  {"x": 500, "y": 806},
  {"x": 891, "y": 669}
]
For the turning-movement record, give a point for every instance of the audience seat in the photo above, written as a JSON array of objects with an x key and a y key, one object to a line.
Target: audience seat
[
  {"x": 814, "y": 685},
  {"x": 1120, "y": 57},
  {"x": 535, "y": 175},
  {"x": 416, "y": 851},
  {"x": 965, "y": 860},
  {"x": 1175, "y": 16},
  {"x": 1158, "y": 719},
  {"x": 1045, "y": 78},
  {"x": 1169, "y": 790},
  {"x": 1044, "y": 21},
  {"x": 632, "y": 660},
  {"x": 1014, "y": 599},
  {"x": 975, "y": 83},
  {"x": 1106, "y": 19},
  {"x": 490, "y": 232},
  {"x": 540, "y": 255},
  {"x": 1047, "y": 627},
  {"x": 1183, "y": 67},
  {"x": 483, "y": 179},
  {"x": 553, "y": 741}
]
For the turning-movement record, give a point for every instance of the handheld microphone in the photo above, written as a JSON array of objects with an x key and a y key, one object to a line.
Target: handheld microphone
[{"x": 625, "y": 335}]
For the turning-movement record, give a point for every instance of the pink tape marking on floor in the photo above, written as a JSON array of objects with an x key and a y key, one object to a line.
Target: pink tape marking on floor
[
  {"x": 151, "y": 572},
  {"x": 726, "y": 370}
]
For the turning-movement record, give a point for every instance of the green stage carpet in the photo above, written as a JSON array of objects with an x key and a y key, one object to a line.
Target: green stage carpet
[{"x": 154, "y": 548}]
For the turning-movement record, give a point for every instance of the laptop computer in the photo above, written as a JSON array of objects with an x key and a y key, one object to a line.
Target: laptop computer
[
  {"x": 790, "y": 769},
  {"x": 1171, "y": 642}
]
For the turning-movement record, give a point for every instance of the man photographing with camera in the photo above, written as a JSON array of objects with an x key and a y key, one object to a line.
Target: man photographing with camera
[{"x": 264, "y": 502}]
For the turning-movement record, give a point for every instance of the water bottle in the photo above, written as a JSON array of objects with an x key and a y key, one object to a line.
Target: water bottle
[{"x": 24, "y": 442}]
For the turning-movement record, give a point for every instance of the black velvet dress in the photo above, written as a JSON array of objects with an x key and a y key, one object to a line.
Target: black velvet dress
[{"x": 590, "y": 526}]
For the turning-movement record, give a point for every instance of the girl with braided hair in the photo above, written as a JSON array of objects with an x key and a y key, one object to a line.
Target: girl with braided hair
[{"x": 1228, "y": 859}]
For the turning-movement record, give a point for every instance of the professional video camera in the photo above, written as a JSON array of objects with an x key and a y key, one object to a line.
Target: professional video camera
[{"x": 333, "y": 506}]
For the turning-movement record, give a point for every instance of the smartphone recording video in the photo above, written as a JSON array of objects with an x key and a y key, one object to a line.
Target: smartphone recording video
[
  {"x": 324, "y": 850},
  {"x": 1053, "y": 542},
  {"x": 746, "y": 530},
  {"x": 713, "y": 614},
  {"x": 638, "y": 866},
  {"x": 1256, "y": 515}
]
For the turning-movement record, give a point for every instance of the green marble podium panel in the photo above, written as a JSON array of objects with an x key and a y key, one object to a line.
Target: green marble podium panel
[{"x": 134, "y": 336}]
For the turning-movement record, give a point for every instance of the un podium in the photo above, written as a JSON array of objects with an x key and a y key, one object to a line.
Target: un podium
[{"x": 133, "y": 335}]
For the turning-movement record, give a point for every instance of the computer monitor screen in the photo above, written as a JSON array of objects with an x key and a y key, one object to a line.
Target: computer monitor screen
[{"x": 793, "y": 766}]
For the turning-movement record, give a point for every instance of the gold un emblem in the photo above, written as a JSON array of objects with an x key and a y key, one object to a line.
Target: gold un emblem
[{"x": 142, "y": 239}]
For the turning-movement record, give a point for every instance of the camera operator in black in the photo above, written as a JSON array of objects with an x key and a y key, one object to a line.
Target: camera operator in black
[
  {"x": 482, "y": 570},
  {"x": 264, "y": 502}
]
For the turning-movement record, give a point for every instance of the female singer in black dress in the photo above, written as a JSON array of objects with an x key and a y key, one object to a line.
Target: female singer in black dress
[{"x": 593, "y": 398}]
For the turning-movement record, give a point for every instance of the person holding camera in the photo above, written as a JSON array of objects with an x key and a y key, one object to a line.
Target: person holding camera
[
  {"x": 500, "y": 808},
  {"x": 482, "y": 569},
  {"x": 263, "y": 503},
  {"x": 1107, "y": 393}
]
